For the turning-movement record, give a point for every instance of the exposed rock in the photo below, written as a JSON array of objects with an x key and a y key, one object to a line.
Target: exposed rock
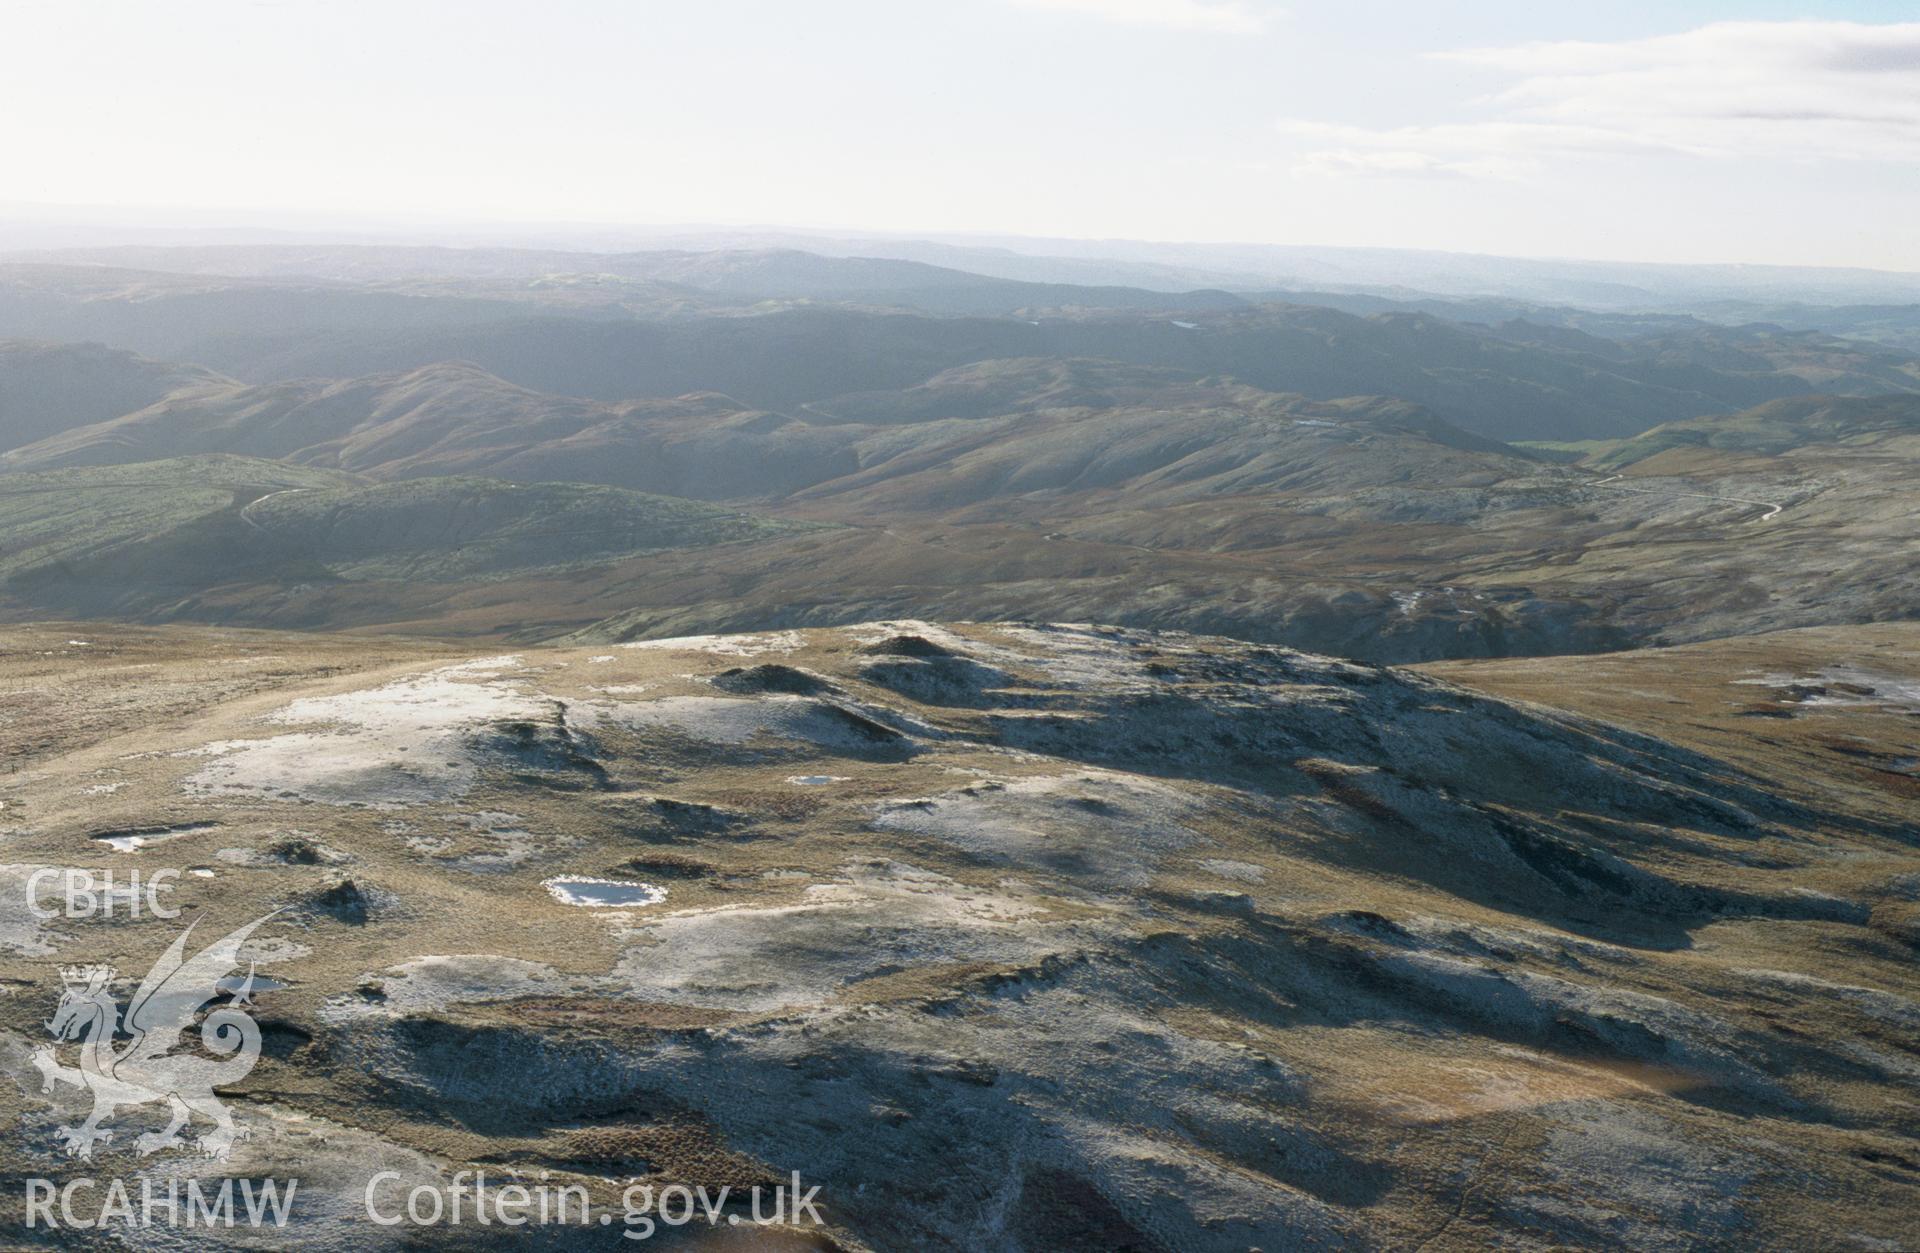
[{"x": 1105, "y": 939}]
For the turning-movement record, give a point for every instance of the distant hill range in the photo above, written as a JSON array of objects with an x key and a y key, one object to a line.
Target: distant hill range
[
  {"x": 1165, "y": 267},
  {"x": 447, "y": 499},
  {"x": 526, "y": 443},
  {"x": 1861, "y": 426},
  {"x": 783, "y": 330}
]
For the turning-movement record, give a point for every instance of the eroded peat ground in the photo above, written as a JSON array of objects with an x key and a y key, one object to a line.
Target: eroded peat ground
[{"x": 1010, "y": 936}]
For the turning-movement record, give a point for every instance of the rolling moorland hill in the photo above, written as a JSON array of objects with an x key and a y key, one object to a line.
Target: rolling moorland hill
[
  {"x": 455, "y": 418},
  {"x": 1183, "y": 942},
  {"x": 1029, "y": 488},
  {"x": 1062, "y": 935},
  {"x": 951, "y": 279},
  {"x": 1058, "y": 416},
  {"x": 50, "y": 521},
  {"x": 1375, "y": 542},
  {"x": 1869, "y": 426},
  {"x": 1895, "y": 325},
  {"x": 992, "y": 486},
  {"x": 46, "y": 388},
  {"x": 1790, "y": 514},
  {"x": 171, "y": 315},
  {"x": 746, "y": 275},
  {"x": 138, "y": 538},
  {"x": 434, "y": 419},
  {"x": 1823, "y": 362},
  {"x": 1393, "y": 273},
  {"x": 1605, "y": 285},
  {"x": 790, "y": 274},
  {"x": 455, "y": 528},
  {"x": 1477, "y": 379},
  {"x": 615, "y": 337}
]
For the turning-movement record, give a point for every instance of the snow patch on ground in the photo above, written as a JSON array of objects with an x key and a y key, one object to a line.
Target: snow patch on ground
[
  {"x": 433, "y": 983},
  {"x": 403, "y": 743},
  {"x": 734, "y": 720},
  {"x": 1844, "y": 687},
  {"x": 504, "y": 838},
  {"x": 1242, "y": 871},
  {"x": 1091, "y": 827},
  {"x": 1890, "y": 1008},
  {"x": 952, "y": 641},
  {"x": 727, "y": 645},
  {"x": 795, "y": 955}
]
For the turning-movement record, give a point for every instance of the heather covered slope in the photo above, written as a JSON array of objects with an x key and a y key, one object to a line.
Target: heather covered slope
[
  {"x": 1867, "y": 427},
  {"x": 1364, "y": 529},
  {"x": 1037, "y": 423},
  {"x": 1042, "y": 930},
  {"x": 467, "y": 528},
  {"x": 154, "y": 536},
  {"x": 448, "y": 416},
  {"x": 1791, "y": 514},
  {"x": 1089, "y": 488},
  {"x": 778, "y": 329},
  {"x": 1076, "y": 488},
  {"x": 1472, "y": 377},
  {"x": 1278, "y": 473},
  {"x": 53, "y": 521},
  {"x": 454, "y": 418},
  {"x": 47, "y": 388}
]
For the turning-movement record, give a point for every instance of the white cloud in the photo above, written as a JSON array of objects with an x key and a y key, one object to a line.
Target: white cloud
[
  {"x": 1232, "y": 17},
  {"x": 1794, "y": 90},
  {"x": 1508, "y": 150}
]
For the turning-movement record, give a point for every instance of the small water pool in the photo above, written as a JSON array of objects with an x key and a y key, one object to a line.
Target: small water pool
[
  {"x": 133, "y": 839},
  {"x": 603, "y": 893}
]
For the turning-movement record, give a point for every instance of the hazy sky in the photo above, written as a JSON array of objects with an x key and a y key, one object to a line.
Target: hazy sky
[{"x": 1673, "y": 131}]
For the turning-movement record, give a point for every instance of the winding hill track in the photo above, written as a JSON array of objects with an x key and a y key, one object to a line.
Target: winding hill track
[
  {"x": 247, "y": 508},
  {"x": 1772, "y": 508}
]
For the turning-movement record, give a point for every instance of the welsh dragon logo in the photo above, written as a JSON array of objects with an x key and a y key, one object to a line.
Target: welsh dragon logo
[{"x": 154, "y": 1065}]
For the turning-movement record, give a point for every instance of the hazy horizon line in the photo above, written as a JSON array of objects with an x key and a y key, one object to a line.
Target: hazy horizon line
[{"x": 363, "y": 229}]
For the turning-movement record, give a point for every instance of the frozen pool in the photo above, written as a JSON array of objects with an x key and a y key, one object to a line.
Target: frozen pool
[
  {"x": 578, "y": 890},
  {"x": 133, "y": 839}
]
